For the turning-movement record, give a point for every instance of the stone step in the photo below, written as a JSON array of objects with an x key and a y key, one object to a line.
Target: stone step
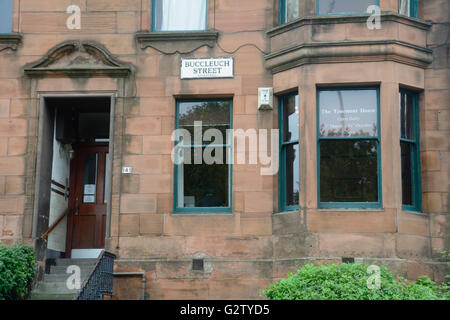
[
  {"x": 60, "y": 277},
  {"x": 51, "y": 296},
  {"x": 84, "y": 269},
  {"x": 54, "y": 288},
  {"x": 79, "y": 262}
]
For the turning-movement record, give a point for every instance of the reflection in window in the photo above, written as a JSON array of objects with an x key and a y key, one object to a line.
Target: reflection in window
[
  {"x": 205, "y": 185},
  {"x": 6, "y": 9},
  {"x": 348, "y": 171},
  {"x": 289, "y": 152},
  {"x": 348, "y": 147},
  {"x": 292, "y": 175},
  {"x": 409, "y": 146},
  {"x": 326, "y": 7},
  {"x": 288, "y": 11},
  {"x": 179, "y": 15},
  {"x": 202, "y": 181}
]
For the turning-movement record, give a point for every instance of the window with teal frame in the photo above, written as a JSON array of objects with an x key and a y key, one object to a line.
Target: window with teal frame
[
  {"x": 6, "y": 11},
  {"x": 203, "y": 172},
  {"x": 335, "y": 7},
  {"x": 348, "y": 147},
  {"x": 289, "y": 177},
  {"x": 408, "y": 8},
  {"x": 287, "y": 11},
  {"x": 178, "y": 15},
  {"x": 410, "y": 154}
]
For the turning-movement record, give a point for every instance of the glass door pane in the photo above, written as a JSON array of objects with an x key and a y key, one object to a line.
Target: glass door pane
[{"x": 90, "y": 177}]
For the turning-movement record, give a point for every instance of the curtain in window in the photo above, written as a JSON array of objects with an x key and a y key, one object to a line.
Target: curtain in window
[
  {"x": 180, "y": 15},
  {"x": 404, "y": 7}
]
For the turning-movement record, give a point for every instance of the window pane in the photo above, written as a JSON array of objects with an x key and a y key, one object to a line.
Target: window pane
[
  {"x": 348, "y": 171},
  {"x": 345, "y": 113},
  {"x": 292, "y": 174},
  {"x": 290, "y": 118},
  {"x": 407, "y": 173},
  {"x": 203, "y": 185},
  {"x": 291, "y": 10},
  {"x": 212, "y": 114},
  {"x": 179, "y": 15},
  {"x": 344, "y": 6},
  {"x": 90, "y": 178},
  {"x": 404, "y": 7},
  {"x": 6, "y": 8},
  {"x": 407, "y": 116}
]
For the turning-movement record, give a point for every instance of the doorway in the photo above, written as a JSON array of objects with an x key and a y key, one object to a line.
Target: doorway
[
  {"x": 88, "y": 177},
  {"x": 74, "y": 150}
]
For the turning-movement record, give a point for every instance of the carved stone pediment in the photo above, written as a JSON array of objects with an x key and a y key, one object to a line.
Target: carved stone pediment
[{"x": 78, "y": 59}]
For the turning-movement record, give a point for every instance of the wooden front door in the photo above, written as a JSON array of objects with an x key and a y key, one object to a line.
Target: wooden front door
[{"x": 88, "y": 195}]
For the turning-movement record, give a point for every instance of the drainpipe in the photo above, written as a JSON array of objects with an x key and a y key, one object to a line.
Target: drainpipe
[{"x": 142, "y": 274}]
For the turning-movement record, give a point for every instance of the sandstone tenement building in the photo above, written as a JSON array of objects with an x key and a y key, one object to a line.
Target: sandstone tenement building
[{"x": 87, "y": 113}]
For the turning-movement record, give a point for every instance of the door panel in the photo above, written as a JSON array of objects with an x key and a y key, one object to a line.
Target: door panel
[{"x": 87, "y": 220}]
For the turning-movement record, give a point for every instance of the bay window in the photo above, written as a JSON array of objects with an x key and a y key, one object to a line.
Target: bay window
[{"x": 348, "y": 147}]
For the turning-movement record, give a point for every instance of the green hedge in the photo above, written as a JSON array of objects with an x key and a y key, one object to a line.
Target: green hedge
[
  {"x": 17, "y": 271},
  {"x": 349, "y": 281}
]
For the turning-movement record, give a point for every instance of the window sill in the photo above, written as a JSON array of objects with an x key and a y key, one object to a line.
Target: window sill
[
  {"x": 201, "y": 214},
  {"x": 10, "y": 41},
  {"x": 350, "y": 207},
  {"x": 177, "y": 42},
  {"x": 413, "y": 211}
]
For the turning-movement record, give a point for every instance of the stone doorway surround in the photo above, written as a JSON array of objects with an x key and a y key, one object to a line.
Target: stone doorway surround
[{"x": 74, "y": 68}]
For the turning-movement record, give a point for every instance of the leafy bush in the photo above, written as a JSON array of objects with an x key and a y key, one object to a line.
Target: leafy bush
[
  {"x": 17, "y": 271},
  {"x": 349, "y": 281}
]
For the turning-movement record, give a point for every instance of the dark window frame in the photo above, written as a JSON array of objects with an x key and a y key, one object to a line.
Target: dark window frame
[
  {"x": 229, "y": 148},
  {"x": 415, "y": 156},
  {"x": 282, "y": 196}
]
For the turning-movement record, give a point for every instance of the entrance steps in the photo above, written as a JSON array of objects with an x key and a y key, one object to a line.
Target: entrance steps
[{"x": 54, "y": 286}]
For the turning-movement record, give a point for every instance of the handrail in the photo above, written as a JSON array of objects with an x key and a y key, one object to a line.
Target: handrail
[
  {"x": 100, "y": 280},
  {"x": 54, "y": 224}
]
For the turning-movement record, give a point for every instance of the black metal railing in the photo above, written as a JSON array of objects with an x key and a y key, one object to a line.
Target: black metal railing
[{"x": 100, "y": 280}]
